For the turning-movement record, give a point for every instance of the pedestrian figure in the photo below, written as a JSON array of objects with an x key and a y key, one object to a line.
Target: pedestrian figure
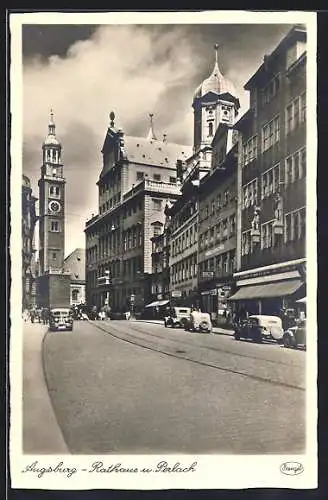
[
  {"x": 46, "y": 316},
  {"x": 32, "y": 315}
]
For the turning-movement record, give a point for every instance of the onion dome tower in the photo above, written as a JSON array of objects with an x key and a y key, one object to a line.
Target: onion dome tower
[{"x": 214, "y": 102}]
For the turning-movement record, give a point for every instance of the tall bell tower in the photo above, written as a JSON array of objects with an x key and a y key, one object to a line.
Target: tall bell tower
[
  {"x": 51, "y": 204},
  {"x": 214, "y": 102}
]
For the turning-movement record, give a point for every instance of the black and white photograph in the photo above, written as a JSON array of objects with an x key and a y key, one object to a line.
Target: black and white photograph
[{"x": 163, "y": 249}]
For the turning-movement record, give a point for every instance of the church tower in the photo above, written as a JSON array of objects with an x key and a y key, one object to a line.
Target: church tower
[
  {"x": 51, "y": 204},
  {"x": 214, "y": 102}
]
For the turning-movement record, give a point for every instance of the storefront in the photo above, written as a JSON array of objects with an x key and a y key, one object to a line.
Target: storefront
[
  {"x": 271, "y": 289},
  {"x": 214, "y": 300}
]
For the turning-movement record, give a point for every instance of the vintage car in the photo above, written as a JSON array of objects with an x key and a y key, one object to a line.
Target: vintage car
[
  {"x": 295, "y": 336},
  {"x": 60, "y": 318},
  {"x": 177, "y": 317},
  {"x": 259, "y": 328},
  {"x": 199, "y": 321}
]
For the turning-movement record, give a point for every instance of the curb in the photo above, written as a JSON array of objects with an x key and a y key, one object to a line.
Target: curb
[
  {"x": 220, "y": 332},
  {"x": 41, "y": 431}
]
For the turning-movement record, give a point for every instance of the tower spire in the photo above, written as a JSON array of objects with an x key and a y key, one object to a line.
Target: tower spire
[
  {"x": 51, "y": 126},
  {"x": 216, "y": 48},
  {"x": 151, "y": 134}
]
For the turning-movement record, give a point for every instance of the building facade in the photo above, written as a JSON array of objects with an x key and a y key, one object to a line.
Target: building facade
[
  {"x": 218, "y": 226},
  {"x": 137, "y": 180},
  {"x": 29, "y": 219},
  {"x": 272, "y": 181},
  {"x": 184, "y": 246},
  {"x": 160, "y": 257},
  {"x": 215, "y": 105},
  {"x": 74, "y": 264}
]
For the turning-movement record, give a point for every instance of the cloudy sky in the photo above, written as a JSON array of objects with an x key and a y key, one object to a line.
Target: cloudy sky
[{"x": 83, "y": 72}]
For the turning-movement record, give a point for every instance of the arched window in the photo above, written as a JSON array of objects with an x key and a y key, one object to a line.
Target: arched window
[
  {"x": 75, "y": 295},
  {"x": 210, "y": 129}
]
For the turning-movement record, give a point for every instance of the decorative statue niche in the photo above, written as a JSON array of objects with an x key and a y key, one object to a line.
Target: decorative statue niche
[
  {"x": 278, "y": 214},
  {"x": 255, "y": 230}
]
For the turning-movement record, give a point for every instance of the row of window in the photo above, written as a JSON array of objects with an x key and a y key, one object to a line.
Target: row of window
[
  {"x": 132, "y": 267},
  {"x": 132, "y": 238},
  {"x": 116, "y": 179},
  {"x": 222, "y": 231},
  {"x": 179, "y": 219},
  {"x": 53, "y": 155},
  {"x": 270, "y": 90},
  {"x": 184, "y": 240},
  {"x": 295, "y": 115},
  {"x": 112, "y": 202},
  {"x": 272, "y": 179},
  {"x": 140, "y": 176},
  {"x": 221, "y": 201},
  {"x": 220, "y": 265},
  {"x": 184, "y": 270},
  {"x": 293, "y": 230}
]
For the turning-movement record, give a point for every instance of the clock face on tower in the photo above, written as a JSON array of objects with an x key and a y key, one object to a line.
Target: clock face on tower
[{"x": 54, "y": 206}]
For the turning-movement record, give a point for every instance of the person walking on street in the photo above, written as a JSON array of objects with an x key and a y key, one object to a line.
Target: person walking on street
[{"x": 32, "y": 315}]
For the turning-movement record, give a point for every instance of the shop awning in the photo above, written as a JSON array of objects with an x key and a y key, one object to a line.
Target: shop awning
[
  {"x": 278, "y": 289},
  {"x": 158, "y": 303},
  {"x": 302, "y": 301}
]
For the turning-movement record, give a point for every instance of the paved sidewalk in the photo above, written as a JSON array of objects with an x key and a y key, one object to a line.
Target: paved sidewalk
[
  {"x": 41, "y": 433},
  {"x": 216, "y": 330}
]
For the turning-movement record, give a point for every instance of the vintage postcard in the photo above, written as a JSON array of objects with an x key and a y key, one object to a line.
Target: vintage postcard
[{"x": 163, "y": 294}]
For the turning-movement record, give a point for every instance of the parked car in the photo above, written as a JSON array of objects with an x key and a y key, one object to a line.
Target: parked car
[
  {"x": 117, "y": 315},
  {"x": 259, "y": 328},
  {"x": 177, "y": 317},
  {"x": 295, "y": 336},
  {"x": 199, "y": 321},
  {"x": 60, "y": 318}
]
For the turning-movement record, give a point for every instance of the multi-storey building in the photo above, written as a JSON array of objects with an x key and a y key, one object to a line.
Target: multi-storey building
[
  {"x": 74, "y": 263},
  {"x": 184, "y": 245},
  {"x": 217, "y": 226},
  {"x": 272, "y": 181},
  {"x": 29, "y": 219},
  {"x": 160, "y": 278},
  {"x": 214, "y": 103},
  {"x": 138, "y": 178}
]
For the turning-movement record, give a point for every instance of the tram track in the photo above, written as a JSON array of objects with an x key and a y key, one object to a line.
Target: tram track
[
  {"x": 217, "y": 349},
  {"x": 183, "y": 355}
]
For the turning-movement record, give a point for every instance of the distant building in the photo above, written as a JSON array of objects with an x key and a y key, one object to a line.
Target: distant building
[
  {"x": 138, "y": 178},
  {"x": 272, "y": 181},
  {"x": 29, "y": 219},
  {"x": 75, "y": 265}
]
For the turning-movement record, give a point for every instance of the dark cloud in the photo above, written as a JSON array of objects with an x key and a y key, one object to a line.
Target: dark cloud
[{"x": 46, "y": 40}]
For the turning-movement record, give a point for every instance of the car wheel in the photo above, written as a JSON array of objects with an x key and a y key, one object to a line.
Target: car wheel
[
  {"x": 183, "y": 323},
  {"x": 256, "y": 337},
  {"x": 289, "y": 340}
]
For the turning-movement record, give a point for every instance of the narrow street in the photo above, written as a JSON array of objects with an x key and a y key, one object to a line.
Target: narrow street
[{"x": 134, "y": 387}]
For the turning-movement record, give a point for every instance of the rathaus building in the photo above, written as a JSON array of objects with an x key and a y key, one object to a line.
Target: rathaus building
[{"x": 137, "y": 180}]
